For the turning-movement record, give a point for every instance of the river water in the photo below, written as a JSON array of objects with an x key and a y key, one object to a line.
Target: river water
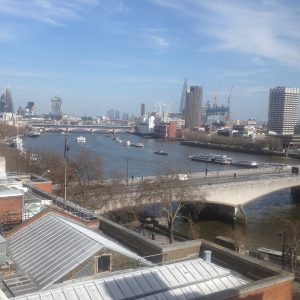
[{"x": 266, "y": 217}]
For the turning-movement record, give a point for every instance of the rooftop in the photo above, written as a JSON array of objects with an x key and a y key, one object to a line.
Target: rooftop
[
  {"x": 194, "y": 279},
  {"x": 47, "y": 249}
]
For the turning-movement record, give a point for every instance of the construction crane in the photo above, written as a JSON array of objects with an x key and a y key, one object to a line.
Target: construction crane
[{"x": 228, "y": 104}]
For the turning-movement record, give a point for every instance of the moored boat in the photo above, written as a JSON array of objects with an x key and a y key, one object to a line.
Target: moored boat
[
  {"x": 81, "y": 139},
  {"x": 33, "y": 132},
  {"x": 137, "y": 145},
  {"x": 245, "y": 163},
  {"x": 213, "y": 158},
  {"x": 160, "y": 152}
]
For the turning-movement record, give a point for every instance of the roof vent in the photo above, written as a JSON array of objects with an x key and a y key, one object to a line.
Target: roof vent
[{"x": 207, "y": 256}]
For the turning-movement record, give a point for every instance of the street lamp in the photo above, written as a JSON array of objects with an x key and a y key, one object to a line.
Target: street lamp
[
  {"x": 48, "y": 171},
  {"x": 127, "y": 159},
  {"x": 283, "y": 246},
  {"x": 153, "y": 220}
]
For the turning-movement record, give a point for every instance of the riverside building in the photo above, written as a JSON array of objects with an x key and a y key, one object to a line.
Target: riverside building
[{"x": 283, "y": 110}]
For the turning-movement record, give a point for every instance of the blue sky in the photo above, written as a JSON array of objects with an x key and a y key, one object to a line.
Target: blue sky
[{"x": 102, "y": 54}]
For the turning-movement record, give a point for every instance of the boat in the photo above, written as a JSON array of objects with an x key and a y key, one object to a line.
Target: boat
[
  {"x": 222, "y": 159},
  {"x": 213, "y": 158},
  {"x": 81, "y": 139},
  {"x": 245, "y": 163},
  {"x": 202, "y": 157},
  {"x": 137, "y": 145},
  {"x": 160, "y": 152},
  {"x": 32, "y": 133},
  {"x": 127, "y": 143}
]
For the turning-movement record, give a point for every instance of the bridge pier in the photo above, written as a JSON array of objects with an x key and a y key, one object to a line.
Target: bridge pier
[
  {"x": 198, "y": 211},
  {"x": 295, "y": 192},
  {"x": 239, "y": 214}
]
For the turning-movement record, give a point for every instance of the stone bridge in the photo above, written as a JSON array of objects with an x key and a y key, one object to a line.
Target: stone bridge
[
  {"x": 229, "y": 190},
  {"x": 84, "y": 128}
]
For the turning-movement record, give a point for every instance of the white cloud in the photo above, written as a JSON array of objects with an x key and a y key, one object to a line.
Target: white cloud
[
  {"x": 19, "y": 73},
  {"x": 54, "y": 12},
  {"x": 262, "y": 29},
  {"x": 159, "y": 42}
]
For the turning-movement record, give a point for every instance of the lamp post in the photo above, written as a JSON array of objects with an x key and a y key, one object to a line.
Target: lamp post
[
  {"x": 66, "y": 168},
  {"x": 127, "y": 159},
  {"x": 48, "y": 171},
  {"x": 283, "y": 246},
  {"x": 153, "y": 219}
]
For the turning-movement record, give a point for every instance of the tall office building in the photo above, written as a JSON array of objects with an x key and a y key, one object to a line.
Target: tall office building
[
  {"x": 283, "y": 110},
  {"x": 6, "y": 104},
  {"x": 143, "y": 109},
  {"x": 2, "y": 103},
  {"x": 183, "y": 97},
  {"x": 9, "y": 103},
  {"x": 56, "y": 108},
  {"x": 193, "y": 107}
]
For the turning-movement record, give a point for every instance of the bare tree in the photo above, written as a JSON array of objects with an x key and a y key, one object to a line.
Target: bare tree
[
  {"x": 292, "y": 249},
  {"x": 170, "y": 193},
  {"x": 87, "y": 173}
]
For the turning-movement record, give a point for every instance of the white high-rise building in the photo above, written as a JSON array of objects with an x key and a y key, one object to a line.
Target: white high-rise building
[
  {"x": 283, "y": 110},
  {"x": 56, "y": 107}
]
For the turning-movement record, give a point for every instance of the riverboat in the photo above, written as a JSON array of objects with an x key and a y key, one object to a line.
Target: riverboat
[
  {"x": 245, "y": 163},
  {"x": 32, "y": 133},
  {"x": 160, "y": 152},
  {"x": 81, "y": 139},
  {"x": 137, "y": 145},
  {"x": 213, "y": 158}
]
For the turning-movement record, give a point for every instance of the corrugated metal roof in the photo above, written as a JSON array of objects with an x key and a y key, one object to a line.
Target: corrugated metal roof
[
  {"x": 194, "y": 279},
  {"x": 49, "y": 248}
]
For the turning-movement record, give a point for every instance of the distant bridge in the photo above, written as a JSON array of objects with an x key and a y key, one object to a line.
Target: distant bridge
[
  {"x": 84, "y": 128},
  {"x": 219, "y": 188}
]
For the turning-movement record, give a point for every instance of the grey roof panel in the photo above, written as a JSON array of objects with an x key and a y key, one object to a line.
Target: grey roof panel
[
  {"x": 125, "y": 288},
  {"x": 50, "y": 247},
  {"x": 94, "y": 292},
  {"x": 155, "y": 283},
  {"x": 113, "y": 288}
]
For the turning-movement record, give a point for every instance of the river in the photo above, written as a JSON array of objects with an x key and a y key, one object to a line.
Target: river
[{"x": 266, "y": 217}]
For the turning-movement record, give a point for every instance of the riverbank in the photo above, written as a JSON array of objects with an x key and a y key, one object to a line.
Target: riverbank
[{"x": 233, "y": 148}]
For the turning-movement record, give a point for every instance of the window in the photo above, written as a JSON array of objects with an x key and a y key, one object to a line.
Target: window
[{"x": 103, "y": 263}]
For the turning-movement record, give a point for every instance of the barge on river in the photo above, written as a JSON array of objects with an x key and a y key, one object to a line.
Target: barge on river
[
  {"x": 213, "y": 158},
  {"x": 223, "y": 159}
]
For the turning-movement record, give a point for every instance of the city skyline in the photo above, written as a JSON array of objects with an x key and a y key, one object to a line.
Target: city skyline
[{"x": 120, "y": 54}]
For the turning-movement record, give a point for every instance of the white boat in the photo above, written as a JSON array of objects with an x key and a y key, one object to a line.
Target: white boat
[
  {"x": 33, "y": 132},
  {"x": 202, "y": 157},
  {"x": 81, "y": 139},
  {"x": 137, "y": 145},
  {"x": 222, "y": 159},
  {"x": 213, "y": 158},
  {"x": 127, "y": 143},
  {"x": 245, "y": 163}
]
